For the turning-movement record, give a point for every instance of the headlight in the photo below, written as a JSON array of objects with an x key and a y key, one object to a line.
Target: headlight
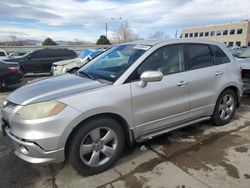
[{"x": 41, "y": 110}]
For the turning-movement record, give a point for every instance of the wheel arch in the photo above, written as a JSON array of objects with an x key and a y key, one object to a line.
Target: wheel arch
[
  {"x": 237, "y": 92},
  {"x": 129, "y": 136}
]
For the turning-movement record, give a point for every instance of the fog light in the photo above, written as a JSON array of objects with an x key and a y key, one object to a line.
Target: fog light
[{"x": 24, "y": 150}]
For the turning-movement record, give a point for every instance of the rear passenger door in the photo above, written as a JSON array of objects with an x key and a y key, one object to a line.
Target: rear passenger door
[{"x": 205, "y": 78}]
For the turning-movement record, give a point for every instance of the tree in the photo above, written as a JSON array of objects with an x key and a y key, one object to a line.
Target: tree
[
  {"x": 48, "y": 42},
  {"x": 103, "y": 40},
  {"x": 158, "y": 35},
  {"x": 125, "y": 34}
]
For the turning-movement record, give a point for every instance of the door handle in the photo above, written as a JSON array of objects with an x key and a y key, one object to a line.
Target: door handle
[
  {"x": 218, "y": 73},
  {"x": 182, "y": 83}
]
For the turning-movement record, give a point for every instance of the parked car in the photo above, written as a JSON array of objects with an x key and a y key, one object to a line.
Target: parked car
[
  {"x": 40, "y": 61},
  {"x": 89, "y": 117},
  {"x": 3, "y": 54},
  {"x": 72, "y": 65},
  {"x": 244, "y": 60},
  {"x": 17, "y": 54},
  {"x": 10, "y": 74}
]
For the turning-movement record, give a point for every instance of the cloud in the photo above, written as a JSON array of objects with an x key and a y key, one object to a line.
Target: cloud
[{"x": 144, "y": 16}]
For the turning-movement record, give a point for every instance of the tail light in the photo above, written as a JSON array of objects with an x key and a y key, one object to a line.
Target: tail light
[{"x": 14, "y": 68}]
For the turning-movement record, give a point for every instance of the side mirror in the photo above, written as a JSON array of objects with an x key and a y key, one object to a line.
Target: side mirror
[{"x": 150, "y": 76}]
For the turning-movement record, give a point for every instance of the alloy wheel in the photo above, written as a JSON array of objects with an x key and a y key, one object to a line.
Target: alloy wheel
[
  {"x": 226, "y": 107},
  {"x": 98, "y": 147}
]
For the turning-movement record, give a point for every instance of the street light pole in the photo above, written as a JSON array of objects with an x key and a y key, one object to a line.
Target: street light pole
[{"x": 106, "y": 26}]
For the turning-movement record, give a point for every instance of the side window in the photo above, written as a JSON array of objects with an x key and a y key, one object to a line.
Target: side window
[
  {"x": 38, "y": 54},
  {"x": 220, "y": 56},
  {"x": 2, "y": 54},
  {"x": 200, "y": 56},
  {"x": 168, "y": 60}
]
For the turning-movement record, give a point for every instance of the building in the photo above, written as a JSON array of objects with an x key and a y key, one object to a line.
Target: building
[{"x": 232, "y": 34}]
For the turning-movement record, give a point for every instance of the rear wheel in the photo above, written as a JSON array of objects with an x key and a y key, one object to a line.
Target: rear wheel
[
  {"x": 225, "y": 107},
  {"x": 96, "y": 146},
  {"x": 2, "y": 86}
]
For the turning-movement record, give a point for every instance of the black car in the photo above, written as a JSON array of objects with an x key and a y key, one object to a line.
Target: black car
[
  {"x": 10, "y": 74},
  {"x": 40, "y": 61}
]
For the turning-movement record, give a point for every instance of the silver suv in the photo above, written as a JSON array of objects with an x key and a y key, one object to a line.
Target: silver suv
[{"x": 155, "y": 86}]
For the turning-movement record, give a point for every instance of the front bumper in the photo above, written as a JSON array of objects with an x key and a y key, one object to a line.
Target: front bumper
[
  {"x": 41, "y": 140},
  {"x": 33, "y": 153}
]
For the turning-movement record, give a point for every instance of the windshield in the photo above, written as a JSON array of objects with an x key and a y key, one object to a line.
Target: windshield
[
  {"x": 84, "y": 53},
  {"x": 114, "y": 62},
  {"x": 245, "y": 54}
]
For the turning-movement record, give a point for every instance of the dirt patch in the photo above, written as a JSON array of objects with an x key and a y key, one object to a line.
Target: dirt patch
[
  {"x": 241, "y": 149},
  {"x": 212, "y": 152}
]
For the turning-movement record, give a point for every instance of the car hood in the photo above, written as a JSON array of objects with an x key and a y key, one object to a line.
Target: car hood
[
  {"x": 66, "y": 62},
  {"x": 244, "y": 62},
  {"x": 52, "y": 88}
]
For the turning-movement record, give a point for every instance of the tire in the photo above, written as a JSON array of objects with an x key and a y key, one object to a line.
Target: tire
[
  {"x": 1, "y": 86},
  {"x": 73, "y": 71},
  {"x": 22, "y": 70},
  {"x": 226, "y": 104},
  {"x": 83, "y": 161}
]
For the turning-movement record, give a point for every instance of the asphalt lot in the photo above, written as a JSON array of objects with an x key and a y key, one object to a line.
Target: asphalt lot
[{"x": 201, "y": 155}]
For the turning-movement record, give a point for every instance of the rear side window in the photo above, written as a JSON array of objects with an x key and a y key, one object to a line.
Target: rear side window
[
  {"x": 2, "y": 54},
  {"x": 200, "y": 56},
  {"x": 220, "y": 56},
  {"x": 38, "y": 54}
]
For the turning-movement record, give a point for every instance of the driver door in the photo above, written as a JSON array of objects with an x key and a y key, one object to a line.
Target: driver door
[{"x": 166, "y": 102}]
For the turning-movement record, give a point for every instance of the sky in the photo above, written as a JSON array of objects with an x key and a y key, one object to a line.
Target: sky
[{"x": 85, "y": 19}]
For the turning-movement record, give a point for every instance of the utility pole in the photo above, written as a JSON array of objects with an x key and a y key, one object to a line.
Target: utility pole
[{"x": 106, "y": 26}]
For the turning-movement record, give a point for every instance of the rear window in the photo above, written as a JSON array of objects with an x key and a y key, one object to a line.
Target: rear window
[
  {"x": 200, "y": 56},
  {"x": 220, "y": 56}
]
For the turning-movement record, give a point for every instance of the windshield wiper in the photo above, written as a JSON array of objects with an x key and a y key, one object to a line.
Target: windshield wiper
[{"x": 87, "y": 75}]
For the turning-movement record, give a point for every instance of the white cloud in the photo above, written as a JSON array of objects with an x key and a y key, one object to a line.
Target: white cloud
[{"x": 144, "y": 16}]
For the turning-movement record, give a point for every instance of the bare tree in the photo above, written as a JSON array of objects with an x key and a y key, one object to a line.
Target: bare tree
[
  {"x": 158, "y": 35},
  {"x": 124, "y": 33}
]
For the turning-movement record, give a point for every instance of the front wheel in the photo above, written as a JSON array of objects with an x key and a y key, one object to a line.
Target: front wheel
[
  {"x": 225, "y": 107},
  {"x": 96, "y": 146}
]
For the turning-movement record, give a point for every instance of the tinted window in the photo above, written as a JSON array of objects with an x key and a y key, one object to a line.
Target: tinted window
[
  {"x": 201, "y": 34},
  {"x": 232, "y": 31},
  {"x": 212, "y": 33},
  {"x": 218, "y": 33},
  {"x": 190, "y": 34},
  {"x": 38, "y": 54},
  {"x": 225, "y": 32},
  {"x": 186, "y": 35},
  {"x": 195, "y": 34},
  {"x": 168, "y": 60},
  {"x": 230, "y": 43},
  {"x": 238, "y": 43},
  {"x": 206, "y": 34},
  {"x": 2, "y": 54},
  {"x": 239, "y": 31},
  {"x": 199, "y": 56},
  {"x": 220, "y": 56}
]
